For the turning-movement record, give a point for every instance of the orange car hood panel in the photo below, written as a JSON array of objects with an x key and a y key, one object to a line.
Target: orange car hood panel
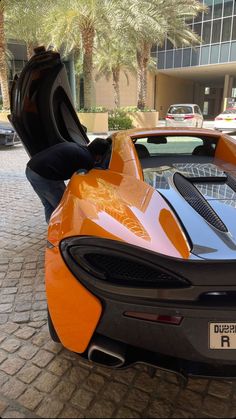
[
  {"x": 119, "y": 207},
  {"x": 66, "y": 296}
]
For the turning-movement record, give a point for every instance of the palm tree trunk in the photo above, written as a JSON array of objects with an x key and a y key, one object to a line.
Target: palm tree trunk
[
  {"x": 3, "y": 65},
  {"x": 88, "y": 40},
  {"x": 143, "y": 56},
  {"x": 116, "y": 85}
]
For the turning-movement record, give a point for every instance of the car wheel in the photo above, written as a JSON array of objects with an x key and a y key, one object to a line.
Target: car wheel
[{"x": 52, "y": 330}]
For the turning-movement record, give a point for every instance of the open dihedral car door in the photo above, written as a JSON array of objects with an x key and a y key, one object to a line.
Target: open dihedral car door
[{"x": 42, "y": 112}]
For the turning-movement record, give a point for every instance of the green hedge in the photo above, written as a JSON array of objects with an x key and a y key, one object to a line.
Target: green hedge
[{"x": 118, "y": 120}]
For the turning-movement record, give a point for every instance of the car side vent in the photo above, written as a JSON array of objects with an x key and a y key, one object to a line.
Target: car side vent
[{"x": 198, "y": 202}]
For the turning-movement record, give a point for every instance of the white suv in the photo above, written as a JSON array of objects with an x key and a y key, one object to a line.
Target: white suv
[{"x": 184, "y": 115}]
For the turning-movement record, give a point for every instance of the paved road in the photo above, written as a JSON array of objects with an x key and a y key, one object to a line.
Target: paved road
[{"x": 39, "y": 378}]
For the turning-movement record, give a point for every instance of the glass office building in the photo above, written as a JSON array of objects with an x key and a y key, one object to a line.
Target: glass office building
[{"x": 217, "y": 29}]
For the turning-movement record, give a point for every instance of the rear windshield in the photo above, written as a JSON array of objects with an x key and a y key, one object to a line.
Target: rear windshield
[{"x": 180, "y": 110}]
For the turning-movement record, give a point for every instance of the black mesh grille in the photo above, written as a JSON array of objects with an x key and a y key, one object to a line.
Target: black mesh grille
[
  {"x": 122, "y": 270},
  {"x": 231, "y": 182},
  {"x": 198, "y": 202}
]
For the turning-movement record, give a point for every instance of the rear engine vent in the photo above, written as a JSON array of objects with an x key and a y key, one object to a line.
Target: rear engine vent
[
  {"x": 124, "y": 271},
  {"x": 231, "y": 182},
  {"x": 198, "y": 202}
]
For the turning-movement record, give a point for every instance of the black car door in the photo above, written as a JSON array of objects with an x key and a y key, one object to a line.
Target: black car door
[{"x": 42, "y": 112}]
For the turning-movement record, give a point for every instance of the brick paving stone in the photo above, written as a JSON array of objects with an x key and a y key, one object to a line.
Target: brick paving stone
[
  {"x": 11, "y": 345},
  {"x": 9, "y": 328},
  {"x": 28, "y": 373},
  {"x": 125, "y": 412},
  {"x": 159, "y": 409},
  {"x": 82, "y": 399},
  {"x": 42, "y": 358},
  {"x": 6, "y": 308},
  {"x": 25, "y": 333},
  {"x": 183, "y": 414},
  {"x": 198, "y": 385},
  {"x": 220, "y": 389},
  {"x": 3, "y": 406},
  {"x": 46, "y": 382},
  {"x": 94, "y": 383},
  {"x": 49, "y": 408},
  {"x": 54, "y": 347},
  {"x": 31, "y": 399},
  {"x": 28, "y": 351},
  {"x": 70, "y": 412},
  {"x": 3, "y": 356},
  {"x": 13, "y": 414},
  {"x": 190, "y": 399},
  {"x": 101, "y": 409},
  {"x": 77, "y": 375},
  {"x": 137, "y": 400},
  {"x": 13, "y": 388},
  {"x": 146, "y": 383},
  {"x": 21, "y": 318},
  {"x": 11, "y": 290},
  {"x": 115, "y": 392},
  {"x": 214, "y": 406},
  {"x": 59, "y": 366},
  {"x": 12, "y": 365},
  {"x": 63, "y": 391}
]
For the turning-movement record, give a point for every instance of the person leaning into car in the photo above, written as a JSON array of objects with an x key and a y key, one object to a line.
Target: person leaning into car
[{"x": 48, "y": 169}]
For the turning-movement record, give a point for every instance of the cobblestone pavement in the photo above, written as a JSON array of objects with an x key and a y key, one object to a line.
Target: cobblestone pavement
[{"x": 39, "y": 378}]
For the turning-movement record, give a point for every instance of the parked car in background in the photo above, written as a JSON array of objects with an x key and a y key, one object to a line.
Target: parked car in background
[
  {"x": 8, "y": 136},
  {"x": 226, "y": 121},
  {"x": 184, "y": 115}
]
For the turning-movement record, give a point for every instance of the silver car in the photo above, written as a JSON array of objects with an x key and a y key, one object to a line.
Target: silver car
[{"x": 184, "y": 115}]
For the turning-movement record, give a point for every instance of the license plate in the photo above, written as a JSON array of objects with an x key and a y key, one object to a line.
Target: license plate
[
  {"x": 222, "y": 335},
  {"x": 179, "y": 119}
]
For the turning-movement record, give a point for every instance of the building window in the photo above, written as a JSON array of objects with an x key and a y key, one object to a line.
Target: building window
[
  {"x": 195, "y": 56},
  {"x": 226, "y": 30},
  {"x": 206, "y": 33},
  {"x": 207, "y": 90},
  {"x": 178, "y": 58},
  {"x": 228, "y": 8},
  {"x": 233, "y": 94},
  {"x": 161, "y": 60},
  {"x": 205, "y": 55},
  {"x": 218, "y": 6},
  {"x": 233, "y": 52},
  {"x": 169, "y": 59},
  {"x": 186, "y": 57},
  {"x": 198, "y": 28},
  {"x": 216, "y": 31},
  {"x": 234, "y": 28},
  {"x": 224, "y": 53},
  {"x": 214, "y": 56},
  {"x": 208, "y": 13}
]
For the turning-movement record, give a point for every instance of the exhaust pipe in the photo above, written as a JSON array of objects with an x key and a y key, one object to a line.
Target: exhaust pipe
[{"x": 107, "y": 352}]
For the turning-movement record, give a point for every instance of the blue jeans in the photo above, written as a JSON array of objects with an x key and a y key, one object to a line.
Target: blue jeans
[{"x": 49, "y": 191}]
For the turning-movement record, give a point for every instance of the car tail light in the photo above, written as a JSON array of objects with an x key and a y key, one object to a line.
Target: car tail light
[
  {"x": 189, "y": 117},
  {"x": 169, "y": 117},
  {"x": 174, "y": 320}
]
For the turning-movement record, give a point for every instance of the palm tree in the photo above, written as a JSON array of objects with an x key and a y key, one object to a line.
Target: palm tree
[
  {"x": 112, "y": 58},
  {"x": 3, "y": 61},
  {"x": 24, "y": 21},
  {"x": 148, "y": 22},
  {"x": 75, "y": 23}
]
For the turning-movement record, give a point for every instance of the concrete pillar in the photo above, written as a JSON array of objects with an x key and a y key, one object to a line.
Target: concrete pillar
[{"x": 228, "y": 84}]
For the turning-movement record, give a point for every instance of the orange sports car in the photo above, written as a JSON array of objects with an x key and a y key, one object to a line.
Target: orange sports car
[{"x": 141, "y": 251}]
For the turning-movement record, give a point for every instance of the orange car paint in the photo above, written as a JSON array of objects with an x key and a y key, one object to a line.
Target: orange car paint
[
  {"x": 226, "y": 149},
  {"x": 75, "y": 312}
]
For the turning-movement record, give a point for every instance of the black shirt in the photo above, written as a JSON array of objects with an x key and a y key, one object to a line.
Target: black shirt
[{"x": 60, "y": 161}]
